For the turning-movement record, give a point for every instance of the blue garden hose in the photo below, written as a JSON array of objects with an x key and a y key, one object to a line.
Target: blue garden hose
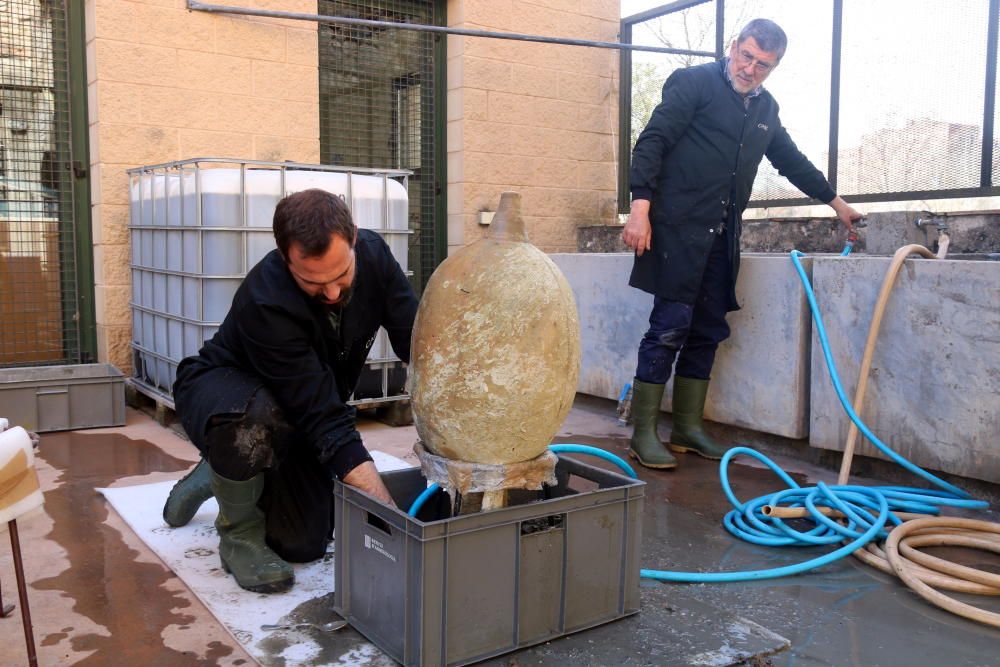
[
  {"x": 852, "y": 238},
  {"x": 867, "y": 510},
  {"x": 594, "y": 451},
  {"x": 859, "y": 504}
]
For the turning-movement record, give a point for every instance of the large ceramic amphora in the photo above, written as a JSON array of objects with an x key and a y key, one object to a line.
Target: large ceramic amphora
[{"x": 496, "y": 348}]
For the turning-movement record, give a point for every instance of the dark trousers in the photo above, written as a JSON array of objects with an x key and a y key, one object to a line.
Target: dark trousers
[
  {"x": 689, "y": 333},
  {"x": 298, "y": 494}
]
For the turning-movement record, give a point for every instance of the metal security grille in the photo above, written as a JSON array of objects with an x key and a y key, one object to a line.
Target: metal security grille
[
  {"x": 39, "y": 324},
  {"x": 884, "y": 117},
  {"x": 377, "y": 105}
]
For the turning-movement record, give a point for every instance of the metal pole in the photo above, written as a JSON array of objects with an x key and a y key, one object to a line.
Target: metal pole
[
  {"x": 986, "y": 161},
  {"x": 625, "y": 121},
  {"x": 418, "y": 27},
  {"x": 720, "y": 28},
  {"x": 838, "y": 26},
  {"x": 22, "y": 592}
]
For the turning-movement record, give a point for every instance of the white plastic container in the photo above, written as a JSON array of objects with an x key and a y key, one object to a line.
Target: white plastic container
[{"x": 198, "y": 226}]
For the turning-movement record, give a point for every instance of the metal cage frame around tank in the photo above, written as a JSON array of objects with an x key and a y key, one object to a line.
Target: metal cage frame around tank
[{"x": 180, "y": 169}]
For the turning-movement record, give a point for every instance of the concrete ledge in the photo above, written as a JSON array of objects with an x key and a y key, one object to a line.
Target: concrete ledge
[
  {"x": 761, "y": 376},
  {"x": 934, "y": 392}
]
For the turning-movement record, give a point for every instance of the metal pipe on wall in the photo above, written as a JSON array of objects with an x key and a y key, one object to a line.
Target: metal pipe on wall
[{"x": 369, "y": 23}]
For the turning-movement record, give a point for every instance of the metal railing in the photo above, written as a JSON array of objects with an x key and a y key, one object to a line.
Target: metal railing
[{"x": 891, "y": 135}]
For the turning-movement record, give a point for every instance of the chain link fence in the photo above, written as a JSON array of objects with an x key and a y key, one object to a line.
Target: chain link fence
[
  {"x": 377, "y": 105},
  {"x": 38, "y": 285}
]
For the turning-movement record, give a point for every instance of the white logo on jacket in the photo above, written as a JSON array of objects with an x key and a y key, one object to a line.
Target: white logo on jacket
[{"x": 762, "y": 126}]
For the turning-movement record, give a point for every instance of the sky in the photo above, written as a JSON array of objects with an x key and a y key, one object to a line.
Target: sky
[{"x": 901, "y": 60}]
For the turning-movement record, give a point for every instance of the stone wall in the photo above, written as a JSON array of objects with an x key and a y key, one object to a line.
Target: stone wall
[
  {"x": 165, "y": 83},
  {"x": 761, "y": 375},
  {"x": 537, "y": 118},
  {"x": 881, "y": 234},
  {"x": 934, "y": 392},
  {"x": 934, "y": 388}
]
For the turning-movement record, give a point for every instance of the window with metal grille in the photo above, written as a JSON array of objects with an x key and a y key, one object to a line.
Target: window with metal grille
[
  {"x": 884, "y": 115},
  {"x": 377, "y": 106},
  {"x": 39, "y": 322}
]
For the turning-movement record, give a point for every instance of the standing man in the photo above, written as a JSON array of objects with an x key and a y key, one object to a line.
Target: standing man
[
  {"x": 693, "y": 168},
  {"x": 265, "y": 400}
]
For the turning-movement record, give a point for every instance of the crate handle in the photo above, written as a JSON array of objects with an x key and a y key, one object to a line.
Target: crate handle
[
  {"x": 378, "y": 523},
  {"x": 49, "y": 392}
]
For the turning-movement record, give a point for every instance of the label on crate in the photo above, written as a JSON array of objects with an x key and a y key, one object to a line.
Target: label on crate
[{"x": 375, "y": 545}]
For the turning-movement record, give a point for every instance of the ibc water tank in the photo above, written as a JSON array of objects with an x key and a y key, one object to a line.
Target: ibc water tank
[{"x": 198, "y": 226}]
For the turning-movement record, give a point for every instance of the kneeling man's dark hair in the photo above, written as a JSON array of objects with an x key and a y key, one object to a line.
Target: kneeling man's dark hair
[{"x": 310, "y": 218}]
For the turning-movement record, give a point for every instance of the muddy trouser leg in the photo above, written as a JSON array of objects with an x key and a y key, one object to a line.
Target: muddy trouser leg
[
  {"x": 708, "y": 321},
  {"x": 298, "y": 496},
  {"x": 669, "y": 323}
]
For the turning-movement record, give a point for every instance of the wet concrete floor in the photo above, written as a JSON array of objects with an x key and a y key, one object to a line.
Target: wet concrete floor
[
  {"x": 99, "y": 597},
  {"x": 104, "y": 579},
  {"x": 845, "y": 613}
]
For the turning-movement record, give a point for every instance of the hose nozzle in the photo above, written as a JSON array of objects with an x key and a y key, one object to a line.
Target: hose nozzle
[{"x": 852, "y": 238}]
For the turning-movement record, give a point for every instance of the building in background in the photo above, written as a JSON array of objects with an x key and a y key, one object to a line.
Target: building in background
[{"x": 470, "y": 117}]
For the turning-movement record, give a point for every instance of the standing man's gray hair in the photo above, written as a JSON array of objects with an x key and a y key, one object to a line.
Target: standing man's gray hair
[{"x": 768, "y": 35}]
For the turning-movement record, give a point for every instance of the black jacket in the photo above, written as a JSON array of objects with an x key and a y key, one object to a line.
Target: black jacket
[
  {"x": 695, "y": 162},
  {"x": 278, "y": 333}
]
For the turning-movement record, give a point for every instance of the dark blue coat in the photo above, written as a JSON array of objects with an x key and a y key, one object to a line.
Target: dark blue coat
[
  {"x": 275, "y": 332},
  {"x": 696, "y": 161}
]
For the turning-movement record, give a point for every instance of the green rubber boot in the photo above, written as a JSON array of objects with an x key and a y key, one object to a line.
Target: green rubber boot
[
  {"x": 688, "y": 434},
  {"x": 646, "y": 446},
  {"x": 188, "y": 495},
  {"x": 242, "y": 548}
]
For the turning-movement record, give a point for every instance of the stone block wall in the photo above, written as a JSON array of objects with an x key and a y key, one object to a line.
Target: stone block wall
[
  {"x": 882, "y": 234},
  {"x": 537, "y": 118},
  {"x": 761, "y": 375},
  {"x": 934, "y": 388},
  {"x": 165, "y": 83}
]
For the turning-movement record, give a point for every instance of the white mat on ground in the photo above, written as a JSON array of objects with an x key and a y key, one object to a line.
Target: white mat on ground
[{"x": 191, "y": 552}]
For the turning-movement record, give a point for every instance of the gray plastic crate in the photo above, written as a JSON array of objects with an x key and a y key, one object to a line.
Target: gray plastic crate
[
  {"x": 59, "y": 398},
  {"x": 460, "y": 589}
]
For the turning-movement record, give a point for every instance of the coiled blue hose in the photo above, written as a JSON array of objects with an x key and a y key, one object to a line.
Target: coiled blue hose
[{"x": 859, "y": 504}]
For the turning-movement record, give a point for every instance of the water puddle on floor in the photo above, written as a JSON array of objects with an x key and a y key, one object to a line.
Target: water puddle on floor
[{"x": 106, "y": 583}]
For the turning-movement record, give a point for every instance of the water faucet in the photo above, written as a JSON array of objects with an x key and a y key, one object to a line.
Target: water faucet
[
  {"x": 941, "y": 224},
  {"x": 938, "y": 221}
]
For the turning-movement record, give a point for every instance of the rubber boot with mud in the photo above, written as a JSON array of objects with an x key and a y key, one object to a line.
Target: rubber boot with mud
[
  {"x": 242, "y": 547},
  {"x": 688, "y": 434},
  {"x": 646, "y": 445},
  {"x": 188, "y": 495}
]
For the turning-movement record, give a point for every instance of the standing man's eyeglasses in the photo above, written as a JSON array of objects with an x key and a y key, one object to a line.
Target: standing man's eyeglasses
[{"x": 744, "y": 58}]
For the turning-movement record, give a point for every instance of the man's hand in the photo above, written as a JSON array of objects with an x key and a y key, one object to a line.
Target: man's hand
[
  {"x": 845, "y": 212},
  {"x": 638, "y": 233},
  {"x": 365, "y": 477}
]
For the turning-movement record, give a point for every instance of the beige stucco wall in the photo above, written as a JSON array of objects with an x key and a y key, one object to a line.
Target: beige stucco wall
[
  {"x": 537, "y": 118},
  {"x": 164, "y": 84}
]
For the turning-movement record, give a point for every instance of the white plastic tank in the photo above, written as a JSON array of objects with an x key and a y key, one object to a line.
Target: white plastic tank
[{"x": 197, "y": 228}]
